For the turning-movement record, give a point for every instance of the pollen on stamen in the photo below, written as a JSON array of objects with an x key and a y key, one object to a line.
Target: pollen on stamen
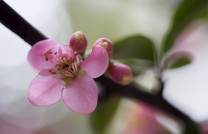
[
  {"x": 55, "y": 53},
  {"x": 50, "y": 70},
  {"x": 45, "y": 57},
  {"x": 49, "y": 52},
  {"x": 67, "y": 68}
]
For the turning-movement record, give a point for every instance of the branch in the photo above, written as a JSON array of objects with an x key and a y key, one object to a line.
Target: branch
[
  {"x": 13, "y": 21},
  {"x": 154, "y": 100},
  {"x": 18, "y": 25}
]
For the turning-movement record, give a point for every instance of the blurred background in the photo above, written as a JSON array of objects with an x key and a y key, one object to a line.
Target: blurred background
[{"x": 186, "y": 87}]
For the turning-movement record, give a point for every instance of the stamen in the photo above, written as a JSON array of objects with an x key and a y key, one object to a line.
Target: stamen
[{"x": 67, "y": 68}]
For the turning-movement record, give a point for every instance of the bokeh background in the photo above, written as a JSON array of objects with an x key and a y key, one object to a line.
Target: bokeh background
[{"x": 186, "y": 87}]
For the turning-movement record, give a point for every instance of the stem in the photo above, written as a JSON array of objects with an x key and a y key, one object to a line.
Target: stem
[{"x": 13, "y": 21}]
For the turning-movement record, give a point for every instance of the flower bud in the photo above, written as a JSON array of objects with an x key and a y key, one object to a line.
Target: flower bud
[
  {"x": 105, "y": 43},
  {"x": 120, "y": 73},
  {"x": 78, "y": 42}
]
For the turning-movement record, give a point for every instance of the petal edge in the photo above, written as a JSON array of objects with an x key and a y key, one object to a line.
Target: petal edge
[
  {"x": 81, "y": 95},
  {"x": 44, "y": 90},
  {"x": 96, "y": 64}
]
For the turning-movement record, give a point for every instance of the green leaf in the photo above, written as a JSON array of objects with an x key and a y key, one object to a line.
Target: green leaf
[
  {"x": 137, "y": 65},
  {"x": 134, "y": 47},
  {"x": 188, "y": 11},
  {"x": 177, "y": 59},
  {"x": 180, "y": 62},
  {"x": 103, "y": 114}
]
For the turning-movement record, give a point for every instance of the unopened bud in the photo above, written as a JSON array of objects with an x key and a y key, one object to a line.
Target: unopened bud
[
  {"x": 105, "y": 43},
  {"x": 78, "y": 42},
  {"x": 120, "y": 73}
]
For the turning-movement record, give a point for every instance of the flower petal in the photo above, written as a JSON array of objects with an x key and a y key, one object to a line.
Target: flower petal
[
  {"x": 45, "y": 72},
  {"x": 35, "y": 55},
  {"x": 105, "y": 43},
  {"x": 96, "y": 64},
  {"x": 67, "y": 51},
  {"x": 81, "y": 95},
  {"x": 44, "y": 90}
]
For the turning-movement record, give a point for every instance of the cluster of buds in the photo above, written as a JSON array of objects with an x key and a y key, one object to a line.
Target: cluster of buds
[{"x": 118, "y": 72}]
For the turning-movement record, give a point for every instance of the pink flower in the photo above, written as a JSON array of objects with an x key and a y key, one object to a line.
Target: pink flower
[{"x": 63, "y": 72}]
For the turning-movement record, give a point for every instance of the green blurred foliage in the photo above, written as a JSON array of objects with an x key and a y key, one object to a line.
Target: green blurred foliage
[
  {"x": 136, "y": 46},
  {"x": 187, "y": 11},
  {"x": 137, "y": 65},
  {"x": 103, "y": 114},
  {"x": 180, "y": 62}
]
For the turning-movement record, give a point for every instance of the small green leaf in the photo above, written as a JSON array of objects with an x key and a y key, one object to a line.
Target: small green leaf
[
  {"x": 177, "y": 59},
  {"x": 180, "y": 62},
  {"x": 103, "y": 114},
  {"x": 137, "y": 65},
  {"x": 134, "y": 47},
  {"x": 188, "y": 11}
]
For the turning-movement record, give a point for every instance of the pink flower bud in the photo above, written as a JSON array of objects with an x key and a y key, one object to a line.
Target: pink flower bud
[
  {"x": 105, "y": 43},
  {"x": 120, "y": 73},
  {"x": 78, "y": 42}
]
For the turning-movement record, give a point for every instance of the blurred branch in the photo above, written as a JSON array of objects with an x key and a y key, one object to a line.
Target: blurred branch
[
  {"x": 156, "y": 101},
  {"x": 18, "y": 25},
  {"x": 28, "y": 33}
]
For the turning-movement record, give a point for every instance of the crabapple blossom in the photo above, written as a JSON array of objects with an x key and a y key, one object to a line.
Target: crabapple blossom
[{"x": 62, "y": 72}]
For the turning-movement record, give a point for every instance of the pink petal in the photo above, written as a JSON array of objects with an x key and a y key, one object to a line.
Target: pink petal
[
  {"x": 35, "y": 55},
  {"x": 44, "y": 90},
  {"x": 106, "y": 43},
  {"x": 81, "y": 95},
  {"x": 67, "y": 51},
  {"x": 96, "y": 64},
  {"x": 44, "y": 72}
]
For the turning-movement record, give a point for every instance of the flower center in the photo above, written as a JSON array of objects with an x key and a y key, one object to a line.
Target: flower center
[{"x": 67, "y": 69}]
